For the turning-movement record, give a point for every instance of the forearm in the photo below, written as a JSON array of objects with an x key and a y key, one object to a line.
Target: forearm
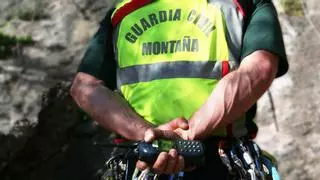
[
  {"x": 234, "y": 94},
  {"x": 107, "y": 107}
]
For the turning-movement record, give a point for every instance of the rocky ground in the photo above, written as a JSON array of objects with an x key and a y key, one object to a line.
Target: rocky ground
[
  {"x": 33, "y": 140},
  {"x": 296, "y": 100}
]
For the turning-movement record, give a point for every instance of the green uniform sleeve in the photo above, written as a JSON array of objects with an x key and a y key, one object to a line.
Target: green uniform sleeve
[
  {"x": 98, "y": 59},
  {"x": 264, "y": 33}
]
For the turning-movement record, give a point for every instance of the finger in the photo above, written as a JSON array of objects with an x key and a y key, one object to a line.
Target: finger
[
  {"x": 149, "y": 135},
  {"x": 183, "y": 134},
  {"x": 181, "y": 123},
  {"x": 142, "y": 165},
  {"x": 152, "y": 134},
  {"x": 180, "y": 165},
  {"x": 161, "y": 162},
  {"x": 175, "y": 124},
  {"x": 166, "y": 134},
  {"x": 172, "y": 162}
]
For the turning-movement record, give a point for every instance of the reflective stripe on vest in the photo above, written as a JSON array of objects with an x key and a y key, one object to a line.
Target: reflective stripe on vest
[
  {"x": 168, "y": 70},
  {"x": 171, "y": 54}
]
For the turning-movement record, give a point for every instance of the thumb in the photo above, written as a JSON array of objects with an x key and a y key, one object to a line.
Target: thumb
[
  {"x": 149, "y": 135},
  {"x": 152, "y": 134},
  {"x": 180, "y": 122}
]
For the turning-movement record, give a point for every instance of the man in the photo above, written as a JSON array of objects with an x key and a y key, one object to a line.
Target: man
[{"x": 184, "y": 69}]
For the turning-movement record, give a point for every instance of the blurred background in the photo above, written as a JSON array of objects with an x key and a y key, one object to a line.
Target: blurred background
[{"x": 41, "y": 45}]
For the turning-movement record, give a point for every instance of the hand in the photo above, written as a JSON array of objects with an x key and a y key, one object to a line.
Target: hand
[
  {"x": 181, "y": 127},
  {"x": 167, "y": 162}
]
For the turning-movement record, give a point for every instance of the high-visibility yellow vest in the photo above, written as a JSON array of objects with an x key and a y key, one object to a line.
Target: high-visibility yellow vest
[{"x": 172, "y": 53}]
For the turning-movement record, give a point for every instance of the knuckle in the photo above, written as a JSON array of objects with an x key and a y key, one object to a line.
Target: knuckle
[
  {"x": 141, "y": 165},
  {"x": 173, "y": 153},
  {"x": 150, "y": 134},
  {"x": 149, "y": 131},
  {"x": 180, "y": 120}
]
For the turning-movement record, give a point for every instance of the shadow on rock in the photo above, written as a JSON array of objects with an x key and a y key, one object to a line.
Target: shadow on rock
[{"x": 46, "y": 148}]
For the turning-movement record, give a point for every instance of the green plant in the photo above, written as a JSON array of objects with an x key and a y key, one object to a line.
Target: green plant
[{"x": 7, "y": 44}]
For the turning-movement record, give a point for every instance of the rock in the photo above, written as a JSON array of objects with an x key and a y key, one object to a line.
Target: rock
[
  {"x": 36, "y": 144},
  {"x": 29, "y": 136},
  {"x": 35, "y": 132},
  {"x": 296, "y": 145},
  {"x": 83, "y": 31}
]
